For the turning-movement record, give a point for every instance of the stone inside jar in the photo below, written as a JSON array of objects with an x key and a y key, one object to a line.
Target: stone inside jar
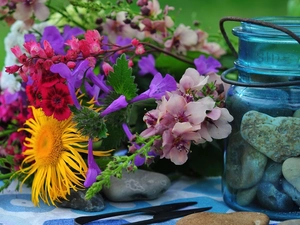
[{"x": 263, "y": 163}]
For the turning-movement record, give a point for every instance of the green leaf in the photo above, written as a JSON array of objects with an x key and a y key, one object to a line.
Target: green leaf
[{"x": 121, "y": 79}]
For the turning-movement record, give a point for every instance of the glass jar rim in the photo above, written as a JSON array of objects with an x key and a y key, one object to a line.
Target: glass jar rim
[{"x": 249, "y": 29}]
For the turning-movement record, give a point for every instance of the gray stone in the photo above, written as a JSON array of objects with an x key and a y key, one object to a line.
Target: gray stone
[
  {"x": 291, "y": 171},
  {"x": 138, "y": 185},
  {"x": 290, "y": 222},
  {"x": 291, "y": 191},
  {"x": 276, "y": 137},
  {"x": 77, "y": 200},
  {"x": 244, "y": 165},
  {"x": 297, "y": 113},
  {"x": 273, "y": 172},
  {"x": 245, "y": 197},
  {"x": 271, "y": 198}
]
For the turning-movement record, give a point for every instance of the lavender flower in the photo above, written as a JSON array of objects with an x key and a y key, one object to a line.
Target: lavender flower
[
  {"x": 207, "y": 65},
  {"x": 158, "y": 87},
  {"x": 147, "y": 65},
  {"x": 93, "y": 170},
  {"x": 116, "y": 105}
]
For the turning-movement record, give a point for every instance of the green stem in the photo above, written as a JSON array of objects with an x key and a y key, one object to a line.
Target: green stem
[
  {"x": 6, "y": 132},
  {"x": 116, "y": 166},
  {"x": 65, "y": 16},
  {"x": 6, "y": 175}
]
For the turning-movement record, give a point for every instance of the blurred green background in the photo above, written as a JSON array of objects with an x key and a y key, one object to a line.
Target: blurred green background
[{"x": 207, "y": 12}]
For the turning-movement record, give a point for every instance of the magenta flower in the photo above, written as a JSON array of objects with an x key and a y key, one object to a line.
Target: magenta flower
[
  {"x": 93, "y": 168},
  {"x": 158, "y": 87}
]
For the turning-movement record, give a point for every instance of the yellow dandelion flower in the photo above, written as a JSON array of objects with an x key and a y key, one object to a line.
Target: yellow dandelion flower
[{"x": 52, "y": 157}]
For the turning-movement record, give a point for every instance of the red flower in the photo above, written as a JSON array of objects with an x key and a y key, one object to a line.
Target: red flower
[
  {"x": 56, "y": 100},
  {"x": 33, "y": 95}
]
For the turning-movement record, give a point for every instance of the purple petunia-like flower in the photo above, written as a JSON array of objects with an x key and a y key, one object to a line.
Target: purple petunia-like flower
[
  {"x": 206, "y": 65},
  {"x": 116, "y": 105},
  {"x": 158, "y": 87},
  {"x": 147, "y": 65},
  {"x": 93, "y": 170}
]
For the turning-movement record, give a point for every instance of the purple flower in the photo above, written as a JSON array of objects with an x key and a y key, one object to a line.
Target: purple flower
[
  {"x": 29, "y": 37},
  {"x": 139, "y": 160},
  {"x": 147, "y": 65},
  {"x": 205, "y": 66},
  {"x": 71, "y": 31},
  {"x": 99, "y": 81},
  {"x": 116, "y": 105},
  {"x": 53, "y": 36},
  {"x": 120, "y": 41},
  {"x": 71, "y": 76},
  {"x": 93, "y": 170},
  {"x": 57, "y": 40},
  {"x": 158, "y": 88}
]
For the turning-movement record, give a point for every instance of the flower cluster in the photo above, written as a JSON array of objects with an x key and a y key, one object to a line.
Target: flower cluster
[{"x": 76, "y": 90}]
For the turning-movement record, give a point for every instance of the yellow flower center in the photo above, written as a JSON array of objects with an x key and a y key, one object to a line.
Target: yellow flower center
[{"x": 48, "y": 145}]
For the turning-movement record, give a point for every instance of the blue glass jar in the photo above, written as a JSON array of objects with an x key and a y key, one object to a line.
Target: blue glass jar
[{"x": 262, "y": 154}]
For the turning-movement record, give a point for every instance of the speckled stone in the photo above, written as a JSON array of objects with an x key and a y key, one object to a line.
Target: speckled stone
[
  {"x": 276, "y": 137},
  {"x": 290, "y": 222},
  {"x": 235, "y": 218},
  {"x": 291, "y": 171},
  {"x": 138, "y": 185}
]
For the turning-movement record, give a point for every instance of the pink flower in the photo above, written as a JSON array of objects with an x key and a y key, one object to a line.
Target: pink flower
[
  {"x": 107, "y": 68},
  {"x": 26, "y": 8},
  {"x": 216, "y": 124},
  {"x": 184, "y": 38},
  {"x": 192, "y": 81},
  {"x": 177, "y": 142}
]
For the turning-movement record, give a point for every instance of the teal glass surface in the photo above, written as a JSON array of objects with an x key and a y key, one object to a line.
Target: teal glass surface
[{"x": 259, "y": 152}]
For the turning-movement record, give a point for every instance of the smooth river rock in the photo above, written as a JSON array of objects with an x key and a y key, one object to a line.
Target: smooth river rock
[
  {"x": 291, "y": 191},
  {"x": 273, "y": 172},
  {"x": 138, "y": 185},
  {"x": 291, "y": 171},
  {"x": 235, "y": 218},
  {"x": 245, "y": 196},
  {"x": 276, "y": 137},
  {"x": 273, "y": 199},
  {"x": 244, "y": 164}
]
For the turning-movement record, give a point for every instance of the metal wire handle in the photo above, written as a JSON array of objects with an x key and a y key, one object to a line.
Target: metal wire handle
[{"x": 231, "y": 47}]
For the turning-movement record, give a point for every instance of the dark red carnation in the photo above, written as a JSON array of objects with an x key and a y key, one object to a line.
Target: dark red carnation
[{"x": 56, "y": 100}]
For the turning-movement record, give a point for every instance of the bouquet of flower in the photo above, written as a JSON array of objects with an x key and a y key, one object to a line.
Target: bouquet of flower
[{"x": 84, "y": 83}]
